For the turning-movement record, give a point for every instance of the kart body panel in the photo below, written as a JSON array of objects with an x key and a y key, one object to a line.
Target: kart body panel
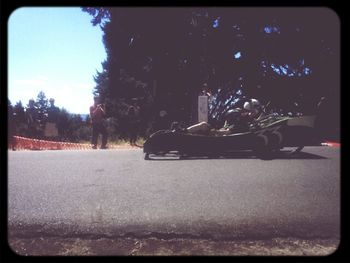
[{"x": 272, "y": 132}]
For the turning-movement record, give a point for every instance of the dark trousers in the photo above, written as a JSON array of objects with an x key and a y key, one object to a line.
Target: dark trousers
[
  {"x": 97, "y": 129},
  {"x": 132, "y": 132}
]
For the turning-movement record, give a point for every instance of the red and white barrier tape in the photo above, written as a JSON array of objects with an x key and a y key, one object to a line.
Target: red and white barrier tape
[
  {"x": 23, "y": 143},
  {"x": 331, "y": 144}
]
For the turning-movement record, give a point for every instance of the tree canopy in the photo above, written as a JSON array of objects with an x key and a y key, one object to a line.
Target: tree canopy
[
  {"x": 159, "y": 58},
  {"x": 162, "y": 56}
]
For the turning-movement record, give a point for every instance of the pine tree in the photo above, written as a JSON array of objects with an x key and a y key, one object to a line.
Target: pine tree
[{"x": 41, "y": 105}]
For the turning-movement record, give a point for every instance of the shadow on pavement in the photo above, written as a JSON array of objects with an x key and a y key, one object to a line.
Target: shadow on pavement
[{"x": 237, "y": 155}]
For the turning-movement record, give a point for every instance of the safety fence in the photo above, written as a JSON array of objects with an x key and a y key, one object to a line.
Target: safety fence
[{"x": 23, "y": 143}]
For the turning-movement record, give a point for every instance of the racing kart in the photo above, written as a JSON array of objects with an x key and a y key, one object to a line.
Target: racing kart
[{"x": 264, "y": 136}]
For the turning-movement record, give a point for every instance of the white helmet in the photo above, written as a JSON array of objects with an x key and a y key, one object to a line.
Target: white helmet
[{"x": 253, "y": 104}]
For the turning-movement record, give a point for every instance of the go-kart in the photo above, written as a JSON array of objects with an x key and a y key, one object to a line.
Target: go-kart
[{"x": 263, "y": 137}]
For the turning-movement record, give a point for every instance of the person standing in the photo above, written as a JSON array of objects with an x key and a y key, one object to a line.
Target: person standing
[
  {"x": 203, "y": 103},
  {"x": 254, "y": 109},
  {"x": 205, "y": 90},
  {"x": 133, "y": 124},
  {"x": 238, "y": 120},
  {"x": 97, "y": 114}
]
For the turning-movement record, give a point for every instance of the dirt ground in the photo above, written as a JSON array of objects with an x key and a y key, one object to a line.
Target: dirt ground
[{"x": 57, "y": 246}]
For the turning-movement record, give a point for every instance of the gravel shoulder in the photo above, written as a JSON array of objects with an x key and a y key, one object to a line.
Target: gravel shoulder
[{"x": 58, "y": 246}]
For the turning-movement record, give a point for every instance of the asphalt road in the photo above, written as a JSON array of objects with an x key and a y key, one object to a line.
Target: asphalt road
[{"x": 117, "y": 194}]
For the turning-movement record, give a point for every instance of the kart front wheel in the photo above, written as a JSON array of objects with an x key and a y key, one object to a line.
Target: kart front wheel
[{"x": 147, "y": 156}]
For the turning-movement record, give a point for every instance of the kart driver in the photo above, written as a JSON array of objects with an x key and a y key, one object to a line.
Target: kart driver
[
  {"x": 238, "y": 120},
  {"x": 254, "y": 109}
]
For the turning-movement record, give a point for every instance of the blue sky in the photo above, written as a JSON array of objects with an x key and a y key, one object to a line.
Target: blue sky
[{"x": 55, "y": 50}]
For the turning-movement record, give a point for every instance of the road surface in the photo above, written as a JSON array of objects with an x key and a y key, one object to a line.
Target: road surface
[{"x": 115, "y": 194}]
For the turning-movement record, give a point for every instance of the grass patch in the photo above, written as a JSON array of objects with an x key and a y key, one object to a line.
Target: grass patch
[{"x": 117, "y": 142}]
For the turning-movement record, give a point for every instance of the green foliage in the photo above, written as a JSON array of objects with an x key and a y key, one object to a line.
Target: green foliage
[
  {"x": 71, "y": 127},
  {"x": 41, "y": 105},
  {"x": 19, "y": 114},
  {"x": 100, "y": 15},
  {"x": 158, "y": 58},
  {"x": 113, "y": 128},
  {"x": 277, "y": 55},
  {"x": 83, "y": 133}
]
